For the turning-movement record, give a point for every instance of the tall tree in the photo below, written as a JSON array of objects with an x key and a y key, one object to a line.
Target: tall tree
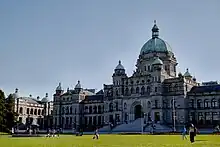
[
  {"x": 10, "y": 111},
  {"x": 2, "y": 111}
]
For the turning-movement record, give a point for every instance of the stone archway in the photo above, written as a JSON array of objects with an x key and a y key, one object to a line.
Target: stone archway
[{"x": 138, "y": 111}]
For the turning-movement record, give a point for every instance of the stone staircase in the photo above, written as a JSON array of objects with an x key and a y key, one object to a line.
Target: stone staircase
[{"x": 134, "y": 126}]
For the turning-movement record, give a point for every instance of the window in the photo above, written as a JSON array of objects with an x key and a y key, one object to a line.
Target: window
[
  {"x": 21, "y": 110},
  {"x": 148, "y": 89},
  {"x": 125, "y": 106},
  {"x": 156, "y": 103},
  {"x": 31, "y": 111},
  {"x": 132, "y": 90},
  {"x": 95, "y": 109},
  {"x": 126, "y": 91},
  {"x": 148, "y": 104},
  {"x": 39, "y": 112},
  {"x": 199, "y": 103},
  {"x": 214, "y": 103},
  {"x": 148, "y": 67},
  {"x": 35, "y": 112},
  {"x": 110, "y": 107},
  {"x": 137, "y": 82},
  {"x": 137, "y": 90},
  {"x": 206, "y": 103},
  {"x": 71, "y": 110},
  {"x": 142, "y": 90},
  {"x": 155, "y": 89},
  {"x": 145, "y": 68},
  {"x": 191, "y": 103},
  {"x": 28, "y": 110}
]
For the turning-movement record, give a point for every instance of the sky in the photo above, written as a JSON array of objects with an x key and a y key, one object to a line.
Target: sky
[{"x": 43, "y": 43}]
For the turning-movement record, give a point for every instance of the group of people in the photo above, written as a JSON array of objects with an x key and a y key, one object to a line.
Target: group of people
[{"x": 192, "y": 133}]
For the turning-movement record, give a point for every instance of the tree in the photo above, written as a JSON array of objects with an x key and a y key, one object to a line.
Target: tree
[
  {"x": 10, "y": 111},
  {"x": 2, "y": 111}
]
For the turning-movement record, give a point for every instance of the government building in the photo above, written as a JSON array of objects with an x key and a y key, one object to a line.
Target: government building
[
  {"x": 154, "y": 94},
  {"x": 33, "y": 111}
]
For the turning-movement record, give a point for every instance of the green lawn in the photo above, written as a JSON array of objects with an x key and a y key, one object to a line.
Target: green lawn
[{"x": 110, "y": 141}]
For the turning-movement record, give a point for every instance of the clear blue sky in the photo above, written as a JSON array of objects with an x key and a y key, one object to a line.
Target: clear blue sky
[{"x": 46, "y": 42}]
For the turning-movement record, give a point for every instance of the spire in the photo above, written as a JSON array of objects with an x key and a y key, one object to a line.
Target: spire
[{"x": 155, "y": 30}]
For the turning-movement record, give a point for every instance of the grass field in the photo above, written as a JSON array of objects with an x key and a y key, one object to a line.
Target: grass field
[{"x": 111, "y": 141}]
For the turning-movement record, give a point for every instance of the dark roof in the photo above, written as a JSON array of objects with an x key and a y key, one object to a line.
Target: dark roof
[
  {"x": 100, "y": 92},
  {"x": 94, "y": 98},
  {"x": 201, "y": 89}
]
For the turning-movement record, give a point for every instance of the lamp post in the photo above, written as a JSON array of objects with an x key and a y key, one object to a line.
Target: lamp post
[{"x": 174, "y": 116}]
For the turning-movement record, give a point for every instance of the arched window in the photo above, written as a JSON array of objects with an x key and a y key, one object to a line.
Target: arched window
[
  {"x": 67, "y": 110},
  {"x": 90, "y": 109},
  {"x": 125, "y": 106},
  {"x": 99, "y": 109},
  {"x": 199, "y": 103},
  {"x": 95, "y": 109},
  {"x": 39, "y": 112},
  {"x": 126, "y": 91},
  {"x": 142, "y": 81},
  {"x": 116, "y": 106},
  {"x": 21, "y": 110},
  {"x": 63, "y": 110},
  {"x": 31, "y": 111},
  {"x": 137, "y": 90},
  {"x": 132, "y": 90},
  {"x": 110, "y": 107},
  {"x": 206, "y": 103},
  {"x": 86, "y": 109},
  {"x": 148, "y": 89},
  {"x": 71, "y": 110},
  {"x": 28, "y": 110},
  {"x": 214, "y": 103},
  {"x": 42, "y": 112},
  {"x": 137, "y": 82},
  {"x": 35, "y": 111},
  {"x": 116, "y": 92},
  {"x": 142, "y": 90},
  {"x": 165, "y": 104},
  {"x": 75, "y": 110},
  {"x": 148, "y": 104},
  {"x": 191, "y": 103}
]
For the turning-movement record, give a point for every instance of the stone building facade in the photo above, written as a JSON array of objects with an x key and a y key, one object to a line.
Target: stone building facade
[
  {"x": 155, "y": 92},
  {"x": 33, "y": 111},
  {"x": 78, "y": 108}
]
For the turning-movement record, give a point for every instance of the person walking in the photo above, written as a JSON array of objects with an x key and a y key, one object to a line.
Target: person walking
[
  {"x": 184, "y": 133},
  {"x": 96, "y": 135},
  {"x": 192, "y": 133}
]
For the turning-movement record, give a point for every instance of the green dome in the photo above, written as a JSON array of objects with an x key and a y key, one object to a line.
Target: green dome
[{"x": 155, "y": 44}]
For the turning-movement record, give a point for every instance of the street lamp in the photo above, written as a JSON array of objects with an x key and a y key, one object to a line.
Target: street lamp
[{"x": 174, "y": 116}]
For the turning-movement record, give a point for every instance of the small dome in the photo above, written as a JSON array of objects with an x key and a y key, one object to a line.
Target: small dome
[
  {"x": 187, "y": 74},
  {"x": 59, "y": 87},
  {"x": 78, "y": 85},
  {"x": 119, "y": 66},
  {"x": 15, "y": 95},
  {"x": 45, "y": 99},
  {"x": 157, "y": 61},
  {"x": 194, "y": 79},
  {"x": 180, "y": 74}
]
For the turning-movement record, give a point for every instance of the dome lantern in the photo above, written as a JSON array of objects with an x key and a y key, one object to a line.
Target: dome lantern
[
  {"x": 155, "y": 30},
  {"x": 119, "y": 66},
  {"x": 187, "y": 74},
  {"x": 78, "y": 85}
]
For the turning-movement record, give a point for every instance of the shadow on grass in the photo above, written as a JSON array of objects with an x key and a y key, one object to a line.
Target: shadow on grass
[{"x": 200, "y": 140}]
